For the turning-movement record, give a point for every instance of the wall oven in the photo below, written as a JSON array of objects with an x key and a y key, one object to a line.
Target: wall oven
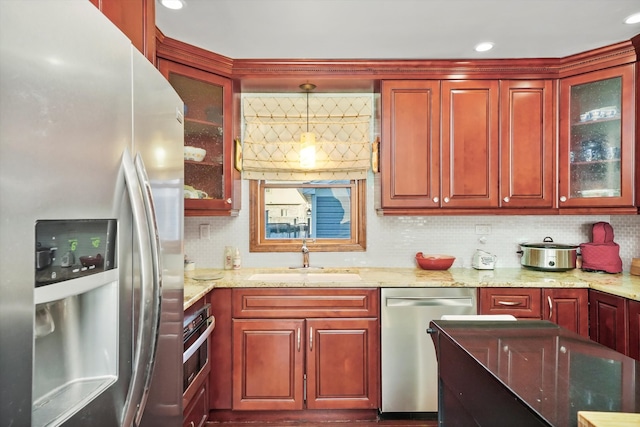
[{"x": 195, "y": 359}]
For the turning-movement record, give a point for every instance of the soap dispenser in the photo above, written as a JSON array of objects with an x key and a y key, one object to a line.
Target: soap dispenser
[{"x": 236, "y": 260}]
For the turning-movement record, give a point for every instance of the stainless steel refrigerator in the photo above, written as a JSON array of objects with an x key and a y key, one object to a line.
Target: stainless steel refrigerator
[{"x": 91, "y": 224}]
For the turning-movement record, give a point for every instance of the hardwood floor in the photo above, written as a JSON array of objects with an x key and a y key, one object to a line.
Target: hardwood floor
[
  {"x": 387, "y": 423},
  {"x": 383, "y": 423},
  {"x": 319, "y": 418}
]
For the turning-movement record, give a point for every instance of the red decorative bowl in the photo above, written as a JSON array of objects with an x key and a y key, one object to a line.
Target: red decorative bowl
[{"x": 434, "y": 262}]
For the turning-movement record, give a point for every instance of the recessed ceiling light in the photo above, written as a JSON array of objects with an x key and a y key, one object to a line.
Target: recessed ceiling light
[
  {"x": 484, "y": 46},
  {"x": 632, "y": 19},
  {"x": 172, "y": 4}
]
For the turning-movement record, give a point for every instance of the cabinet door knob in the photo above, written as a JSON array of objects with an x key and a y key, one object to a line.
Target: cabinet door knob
[
  {"x": 506, "y": 200},
  {"x": 436, "y": 200},
  {"x": 446, "y": 200},
  {"x": 229, "y": 200},
  {"x": 563, "y": 198}
]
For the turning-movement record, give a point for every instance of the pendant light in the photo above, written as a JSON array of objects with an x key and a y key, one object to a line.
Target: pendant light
[{"x": 307, "y": 139}]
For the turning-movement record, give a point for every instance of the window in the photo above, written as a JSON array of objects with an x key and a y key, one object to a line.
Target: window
[
  {"x": 288, "y": 202},
  {"x": 329, "y": 214}
]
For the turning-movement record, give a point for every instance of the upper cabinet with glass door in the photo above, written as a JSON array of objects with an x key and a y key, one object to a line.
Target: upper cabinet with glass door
[
  {"x": 208, "y": 164},
  {"x": 596, "y": 139}
]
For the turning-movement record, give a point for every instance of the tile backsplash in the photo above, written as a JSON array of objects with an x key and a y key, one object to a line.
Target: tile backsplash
[{"x": 392, "y": 241}]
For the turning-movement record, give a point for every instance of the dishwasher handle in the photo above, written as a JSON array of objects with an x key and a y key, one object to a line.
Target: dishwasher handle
[{"x": 429, "y": 301}]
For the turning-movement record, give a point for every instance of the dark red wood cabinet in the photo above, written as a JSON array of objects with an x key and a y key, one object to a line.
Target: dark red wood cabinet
[
  {"x": 300, "y": 349},
  {"x": 221, "y": 351},
  {"x": 410, "y": 148},
  {"x": 595, "y": 178},
  {"x": 437, "y": 154},
  {"x": 136, "y": 19},
  {"x": 567, "y": 307},
  {"x": 440, "y": 144},
  {"x": 527, "y": 144},
  {"x": 634, "y": 329},
  {"x": 207, "y": 125},
  {"x": 522, "y": 303},
  {"x": 297, "y": 352},
  {"x": 196, "y": 412},
  {"x": 608, "y": 318},
  {"x": 470, "y": 144}
]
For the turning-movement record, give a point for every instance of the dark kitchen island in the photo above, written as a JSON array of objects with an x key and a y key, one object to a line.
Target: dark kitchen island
[{"x": 527, "y": 373}]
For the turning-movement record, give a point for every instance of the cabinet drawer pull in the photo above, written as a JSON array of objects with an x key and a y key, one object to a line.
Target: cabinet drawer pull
[
  {"x": 550, "y": 307},
  {"x": 298, "y": 339},
  {"x": 310, "y": 338},
  {"x": 510, "y": 303}
]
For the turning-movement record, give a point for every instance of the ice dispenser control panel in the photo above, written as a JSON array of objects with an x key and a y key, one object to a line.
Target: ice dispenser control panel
[{"x": 69, "y": 249}]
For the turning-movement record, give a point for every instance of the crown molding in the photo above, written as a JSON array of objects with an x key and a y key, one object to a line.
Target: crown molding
[
  {"x": 193, "y": 56},
  {"x": 286, "y": 74}
]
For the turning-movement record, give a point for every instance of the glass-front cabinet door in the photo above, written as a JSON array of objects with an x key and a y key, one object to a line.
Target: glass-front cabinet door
[
  {"x": 596, "y": 139},
  {"x": 208, "y": 145}
]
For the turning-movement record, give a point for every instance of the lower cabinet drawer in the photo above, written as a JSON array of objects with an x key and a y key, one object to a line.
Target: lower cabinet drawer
[
  {"x": 519, "y": 302},
  {"x": 255, "y": 303},
  {"x": 196, "y": 412}
]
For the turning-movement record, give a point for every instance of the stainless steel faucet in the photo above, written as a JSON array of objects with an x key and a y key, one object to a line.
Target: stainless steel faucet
[{"x": 305, "y": 254}]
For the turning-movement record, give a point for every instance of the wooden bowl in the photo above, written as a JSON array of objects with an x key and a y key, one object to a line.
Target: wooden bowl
[
  {"x": 434, "y": 262},
  {"x": 635, "y": 267}
]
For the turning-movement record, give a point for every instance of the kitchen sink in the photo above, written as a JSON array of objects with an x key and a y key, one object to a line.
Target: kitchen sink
[{"x": 306, "y": 277}]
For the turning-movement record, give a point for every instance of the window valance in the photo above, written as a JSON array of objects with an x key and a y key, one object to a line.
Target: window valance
[{"x": 272, "y": 129}]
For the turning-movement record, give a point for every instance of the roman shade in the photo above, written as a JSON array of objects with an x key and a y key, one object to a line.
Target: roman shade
[{"x": 272, "y": 129}]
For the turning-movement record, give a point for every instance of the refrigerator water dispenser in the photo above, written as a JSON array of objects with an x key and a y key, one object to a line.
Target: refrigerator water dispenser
[{"x": 76, "y": 320}]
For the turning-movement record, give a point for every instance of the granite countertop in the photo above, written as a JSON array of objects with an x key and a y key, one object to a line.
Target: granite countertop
[{"x": 197, "y": 283}]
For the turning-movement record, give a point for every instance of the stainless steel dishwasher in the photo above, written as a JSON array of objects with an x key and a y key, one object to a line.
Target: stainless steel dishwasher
[{"x": 409, "y": 366}]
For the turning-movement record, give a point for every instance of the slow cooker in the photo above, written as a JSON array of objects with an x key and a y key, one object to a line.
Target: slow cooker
[{"x": 548, "y": 256}]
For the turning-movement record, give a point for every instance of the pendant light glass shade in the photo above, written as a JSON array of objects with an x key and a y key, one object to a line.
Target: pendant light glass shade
[
  {"x": 308, "y": 150},
  {"x": 307, "y": 139}
]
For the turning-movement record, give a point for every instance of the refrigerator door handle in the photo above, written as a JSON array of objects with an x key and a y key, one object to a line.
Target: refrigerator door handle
[
  {"x": 148, "y": 322},
  {"x": 154, "y": 304},
  {"x": 154, "y": 242}
]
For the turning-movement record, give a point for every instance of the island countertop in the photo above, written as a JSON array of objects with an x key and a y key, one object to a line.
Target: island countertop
[
  {"x": 533, "y": 370},
  {"x": 199, "y": 282}
]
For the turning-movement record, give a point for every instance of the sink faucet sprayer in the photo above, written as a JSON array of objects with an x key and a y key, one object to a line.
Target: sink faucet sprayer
[{"x": 305, "y": 254}]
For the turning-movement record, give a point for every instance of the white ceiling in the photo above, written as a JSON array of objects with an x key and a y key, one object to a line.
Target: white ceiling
[{"x": 398, "y": 29}]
